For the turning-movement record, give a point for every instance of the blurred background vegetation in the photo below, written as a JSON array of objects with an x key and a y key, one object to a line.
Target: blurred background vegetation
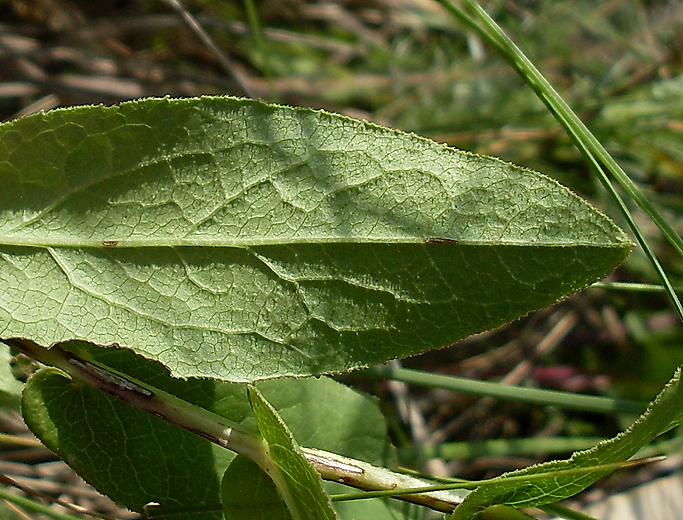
[{"x": 408, "y": 65}]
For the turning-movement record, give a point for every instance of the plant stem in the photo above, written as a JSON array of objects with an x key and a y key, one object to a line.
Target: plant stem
[
  {"x": 229, "y": 434},
  {"x": 362, "y": 475},
  {"x": 152, "y": 400},
  {"x": 589, "y": 403}
]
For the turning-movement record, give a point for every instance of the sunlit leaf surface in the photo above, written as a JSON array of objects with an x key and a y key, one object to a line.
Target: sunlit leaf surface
[{"x": 237, "y": 240}]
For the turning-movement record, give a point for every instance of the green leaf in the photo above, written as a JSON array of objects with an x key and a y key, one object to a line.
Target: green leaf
[
  {"x": 90, "y": 430},
  {"x": 297, "y": 482},
  {"x": 501, "y": 512},
  {"x": 232, "y": 239},
  {"x": 247, "y": 492},
  {"x": 125, "y": 453},
  {"x": 329, "y": 416},
  {"x": 663, "y": 414}
]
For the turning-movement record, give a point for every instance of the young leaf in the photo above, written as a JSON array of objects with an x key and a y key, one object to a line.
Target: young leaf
[
  {"x": 663, "y": 414},
  {"x": 232, "y": 239},
  {"x": 330, "y": 416},
  {"x": 297, "y": 482}
]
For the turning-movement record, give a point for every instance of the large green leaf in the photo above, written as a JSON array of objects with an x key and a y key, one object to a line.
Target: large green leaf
[
  {"x": 136, "y": 458},
  {"x": 663, "y": 414},
  {"x": 233, "y": 239}
]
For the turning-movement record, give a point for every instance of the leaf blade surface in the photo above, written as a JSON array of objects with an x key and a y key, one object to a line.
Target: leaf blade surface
[{"x": 232, "y": 239}]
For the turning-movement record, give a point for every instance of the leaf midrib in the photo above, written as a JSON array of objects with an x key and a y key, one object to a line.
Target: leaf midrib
[{"x": 112, "y": 242}]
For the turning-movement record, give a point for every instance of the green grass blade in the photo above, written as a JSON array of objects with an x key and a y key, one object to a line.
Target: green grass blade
[
  {"x": 263, "y": 54},
  {"x": 587, "y": 143},
  {"x": 502, "y": 447},
  {"x": 513, "y": 393},
  {"x": 32, "y": 505}
]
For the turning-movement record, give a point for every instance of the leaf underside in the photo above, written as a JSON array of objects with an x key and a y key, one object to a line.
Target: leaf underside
[{"x": 232, "y": 239}]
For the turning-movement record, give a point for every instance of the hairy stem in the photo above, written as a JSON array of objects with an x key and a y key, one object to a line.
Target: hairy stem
[{"x": 229, "y": 434}]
